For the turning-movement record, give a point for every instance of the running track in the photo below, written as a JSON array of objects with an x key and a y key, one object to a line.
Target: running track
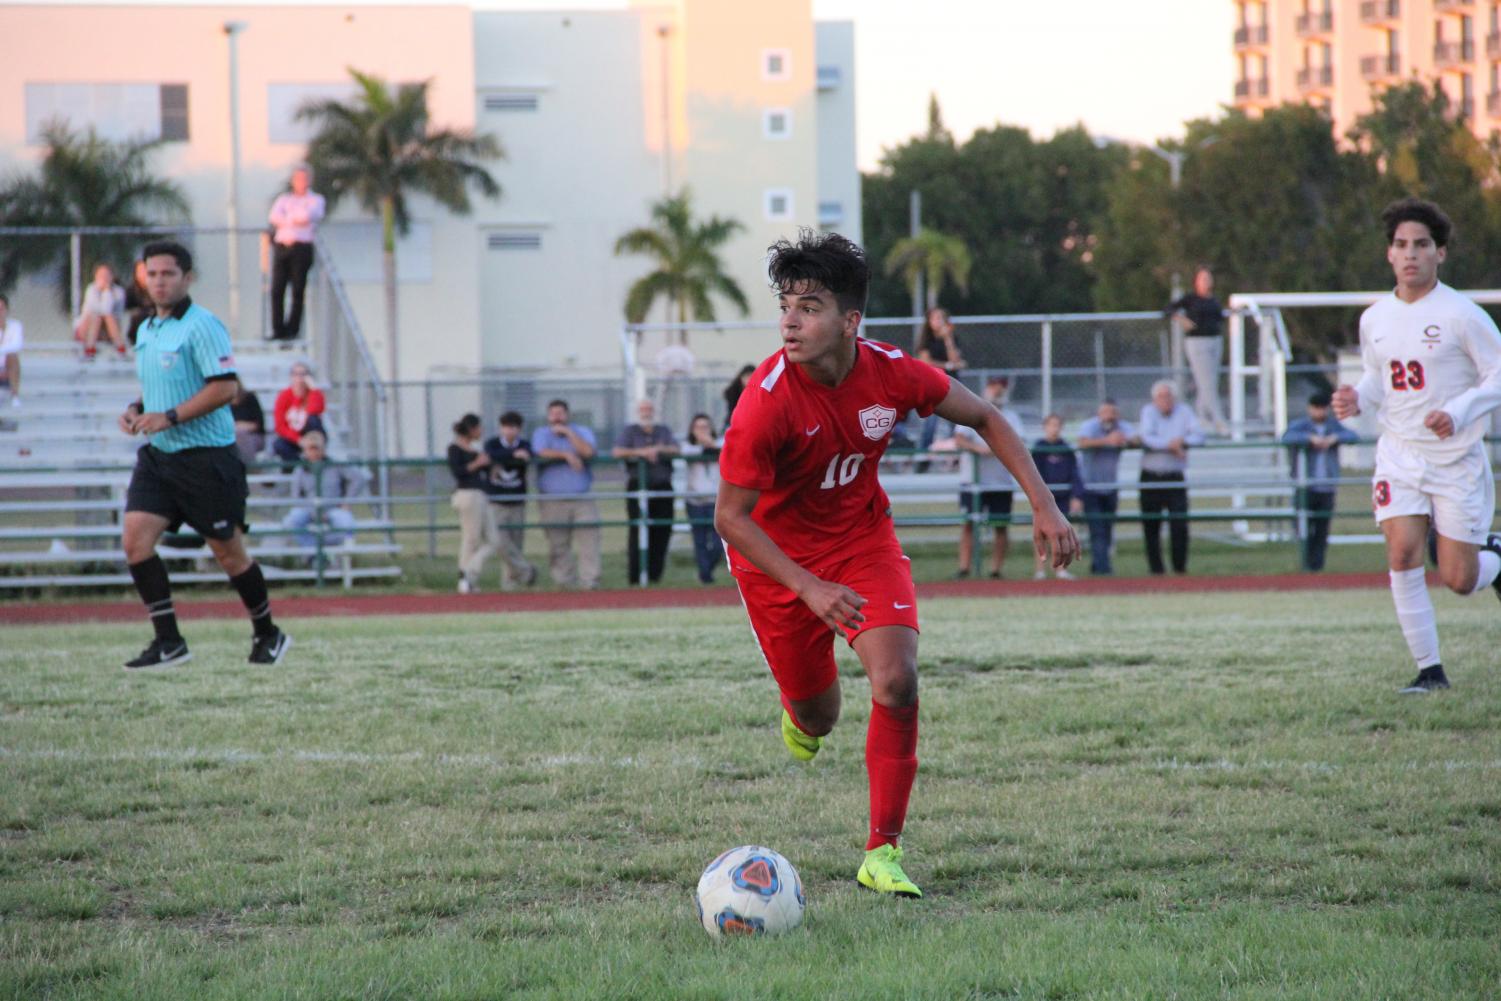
[{"x": 708, "y": 597}]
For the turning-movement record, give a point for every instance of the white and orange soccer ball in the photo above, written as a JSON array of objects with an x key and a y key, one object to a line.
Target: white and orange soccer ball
[{"x": 749, "y": 890}]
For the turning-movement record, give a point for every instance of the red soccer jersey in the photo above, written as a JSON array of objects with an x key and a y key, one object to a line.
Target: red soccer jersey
[{"x": 812, "y": 451}]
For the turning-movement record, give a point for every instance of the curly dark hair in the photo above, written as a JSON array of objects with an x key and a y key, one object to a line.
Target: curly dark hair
[
  {"x": 820, "y": 261},
  {"x": 1417, "y": 210}
]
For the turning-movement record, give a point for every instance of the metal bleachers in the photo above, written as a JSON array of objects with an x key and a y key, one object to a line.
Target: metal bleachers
[{"x": 65, "y": 465}]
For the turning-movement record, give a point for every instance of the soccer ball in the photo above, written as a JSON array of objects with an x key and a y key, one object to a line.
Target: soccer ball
[{"x": 749, "y": 890}]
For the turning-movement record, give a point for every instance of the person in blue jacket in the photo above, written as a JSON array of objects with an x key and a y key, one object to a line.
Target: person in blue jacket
[
  {"x": 1059, "y": 466},
  {"x": 1315, "y": 441}
]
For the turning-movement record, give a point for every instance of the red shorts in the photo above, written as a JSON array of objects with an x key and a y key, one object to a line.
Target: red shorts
[{"x": 798, "y": 645}]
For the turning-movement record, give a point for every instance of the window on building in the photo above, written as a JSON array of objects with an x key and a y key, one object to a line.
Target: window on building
[
  {"x": 517, "y": 101},
  {"x": 778, "y": 204},
  {"x": 776, "y": 123},
  {"x": 115, "y": 111},
  {"x": 776, "y": 64},
  {"x": 516, "y": 239}
]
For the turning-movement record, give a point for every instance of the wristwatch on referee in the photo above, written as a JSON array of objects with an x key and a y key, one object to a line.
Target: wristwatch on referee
[{"x": 171, "y": 416}]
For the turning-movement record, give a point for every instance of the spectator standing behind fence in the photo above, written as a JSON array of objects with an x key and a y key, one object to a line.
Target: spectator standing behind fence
[
  {"x": 298, "y": 408},
  {"x": 1101, "y": 439},
  {"x": 701, "y": 446},
  {"x": 330, "y": 489},
  {"x": 478, "y": 533},
  {"x": 734, "y": 389},
  {"x": 12, "y": 339},
  {"x": 1168, "y": 429},
  {"x": 1201, "y": 318},
  {"x": 1315, "y": 439},
  {"x": 992, "y": 487},
  {"x": 937, "y": 345},
  {"x": 295, "y": 216},
  {"x": 250, "y": 423},
  {"x": 103, "y": 312},
  {"x": 564, "y": 450},
  {"x": 137, "y": 302},
  {"x": 1059, "y": 465},
  {"x": 509, "y": 454},
  {"x": 647, "y": 448}
]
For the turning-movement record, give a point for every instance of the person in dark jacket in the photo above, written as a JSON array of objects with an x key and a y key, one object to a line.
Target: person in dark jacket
[
  {"x": 1315, "y": 440},
  {"x": 509, "y": 454},
  {"x": 1059, "y": 466}
]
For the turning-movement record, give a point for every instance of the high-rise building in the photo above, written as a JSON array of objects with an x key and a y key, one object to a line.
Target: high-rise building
[{"x": 1336, "y": 53}]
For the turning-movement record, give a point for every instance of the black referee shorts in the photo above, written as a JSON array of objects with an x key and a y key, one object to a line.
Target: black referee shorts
[{"x": 204, "y": 487}]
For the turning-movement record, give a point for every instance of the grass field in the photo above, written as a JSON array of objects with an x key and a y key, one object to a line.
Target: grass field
[{"x": 1186, "y": 797}]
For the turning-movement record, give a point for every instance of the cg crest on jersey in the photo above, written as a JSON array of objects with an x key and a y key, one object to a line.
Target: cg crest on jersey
[{"x": 876, "y": 421}]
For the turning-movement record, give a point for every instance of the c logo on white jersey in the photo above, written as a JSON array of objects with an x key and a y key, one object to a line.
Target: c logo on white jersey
[{"x": 876, "y": 421}]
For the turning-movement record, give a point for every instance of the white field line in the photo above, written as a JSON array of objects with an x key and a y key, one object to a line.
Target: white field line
[{"x": 230, "y": 755}]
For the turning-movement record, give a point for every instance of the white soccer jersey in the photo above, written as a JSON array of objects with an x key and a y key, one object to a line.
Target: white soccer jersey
[{"x": 1440, "y": 353}]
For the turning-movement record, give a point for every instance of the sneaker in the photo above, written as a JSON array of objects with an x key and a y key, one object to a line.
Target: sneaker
[
  {"x": 270, "y": 649},
  {"x": 1064, "y": 574},
  {"x": 882, "y": 871},
  {"x": 962, "y": 573},
  {"x": 464, "y": 586},
  {"x": 1040, "y": 575},
  {"x": 803, "y": 746},
  {"x": 1429, "y": 679},
  {"x": 161, "y": 653},
  {"x": 1493, "y": 543}
]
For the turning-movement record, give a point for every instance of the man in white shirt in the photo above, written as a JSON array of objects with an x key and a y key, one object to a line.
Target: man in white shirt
[
  {"x": 295, "y": 216},
  {"x": 1431, "y": 364},
  {"x": 12, "y": 338}
]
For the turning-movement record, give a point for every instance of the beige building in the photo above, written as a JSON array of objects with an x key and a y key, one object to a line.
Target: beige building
[
  {"x": 1335, "y": 53},
  {"x": 599, "y": 113}
]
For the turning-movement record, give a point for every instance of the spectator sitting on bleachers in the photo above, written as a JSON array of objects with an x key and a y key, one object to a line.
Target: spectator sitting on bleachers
[
  {"x": 334, "y": 486},
  {"x": 137, "y": 302},
  {"x": 296, "y": 407},
  {"x": 103, "y": 310},
  {"x": 12, "y": 339},
  {"x": 250, "y": 424}
]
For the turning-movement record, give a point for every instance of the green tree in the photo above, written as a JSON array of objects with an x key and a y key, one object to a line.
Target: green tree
[
  {"x": 381, "y": 148},
  {"x": 84, "y": 180},
  {"x": 685, "y": 252},
  {"x": 932, "y": 258}
]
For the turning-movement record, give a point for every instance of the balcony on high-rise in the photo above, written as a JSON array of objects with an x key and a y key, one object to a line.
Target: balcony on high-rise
[
  {"x": 1493, "y": 45},
  {"x": 1453, "y": 6},
  {"x": 1380, "y": 11},
  {"x": 1250, "y": 36},
  {"x": 1314, "y": 24},
  {"x": 1493, "y": 104},
  {"x": 1252, "y": 88},
  {"x": 1381, "y": 67},
  {"x": 1315, "y": 78},
  {"x": 1453, "y": 55}
]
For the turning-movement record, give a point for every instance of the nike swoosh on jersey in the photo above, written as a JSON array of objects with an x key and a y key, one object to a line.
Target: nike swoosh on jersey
[
  {"x": 899, "y": 605},
  {"x": 810, "y": 432}
]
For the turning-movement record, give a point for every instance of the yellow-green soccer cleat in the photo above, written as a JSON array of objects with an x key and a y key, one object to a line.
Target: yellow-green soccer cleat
[
  {"x": 803, "y": 746},
  {"x": 882, "y": 871}
]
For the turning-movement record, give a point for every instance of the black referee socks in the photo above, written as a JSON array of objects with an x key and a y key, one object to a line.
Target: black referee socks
[
  {"x": 252, "y": 588},
  {"x": 150, "y": 578}
]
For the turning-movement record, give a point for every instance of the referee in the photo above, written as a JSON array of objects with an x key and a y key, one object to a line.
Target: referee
[{"x": 189, "y": 471}]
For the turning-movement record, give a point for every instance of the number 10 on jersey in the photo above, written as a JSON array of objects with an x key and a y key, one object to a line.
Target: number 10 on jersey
[{"x": 844, "y": 467}]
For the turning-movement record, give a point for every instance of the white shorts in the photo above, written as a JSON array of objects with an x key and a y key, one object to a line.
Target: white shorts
[{"x": 1459, "y": 496}]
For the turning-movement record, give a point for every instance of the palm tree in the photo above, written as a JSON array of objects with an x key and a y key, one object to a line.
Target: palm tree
[
  {"x": 932, "y": 256},
  {"x": 688, "y": 268},
  {"x": 84, "y": 181},
  {"x": 381, "y": 148}
]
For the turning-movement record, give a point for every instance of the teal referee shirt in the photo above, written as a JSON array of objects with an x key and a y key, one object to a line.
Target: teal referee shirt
[{"x": 176, "y": 356}]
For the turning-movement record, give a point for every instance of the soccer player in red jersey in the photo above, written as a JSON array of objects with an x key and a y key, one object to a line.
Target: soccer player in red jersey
[{"x": 811, "y": 542}]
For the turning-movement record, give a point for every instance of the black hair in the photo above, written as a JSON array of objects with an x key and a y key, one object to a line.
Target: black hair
[
  {"x": 559, "y": 403},
  {"x": 1320, "y": 399},
  {"x": 688, "y": 435},
  {"x": 5, "y": 299},
  {"x": 1110, "y": 400},
  {"x": 466, "y": 425},
  {"x": 511, "y": 419},
  {"x": 820, "y": 261},
  {"x": 169, "y": 248},
  {"x": 1417, "y": 210}
]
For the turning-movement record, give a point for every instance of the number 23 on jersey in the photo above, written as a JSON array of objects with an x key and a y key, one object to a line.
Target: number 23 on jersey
[{"x": 1407, "y": 375}]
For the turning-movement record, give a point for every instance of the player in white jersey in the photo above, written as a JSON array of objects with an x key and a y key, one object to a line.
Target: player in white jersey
[{"x": 1431, "y": 363}]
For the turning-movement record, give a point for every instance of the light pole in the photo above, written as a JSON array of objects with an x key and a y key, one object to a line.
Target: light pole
[{"x": 232, "y": 30}]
